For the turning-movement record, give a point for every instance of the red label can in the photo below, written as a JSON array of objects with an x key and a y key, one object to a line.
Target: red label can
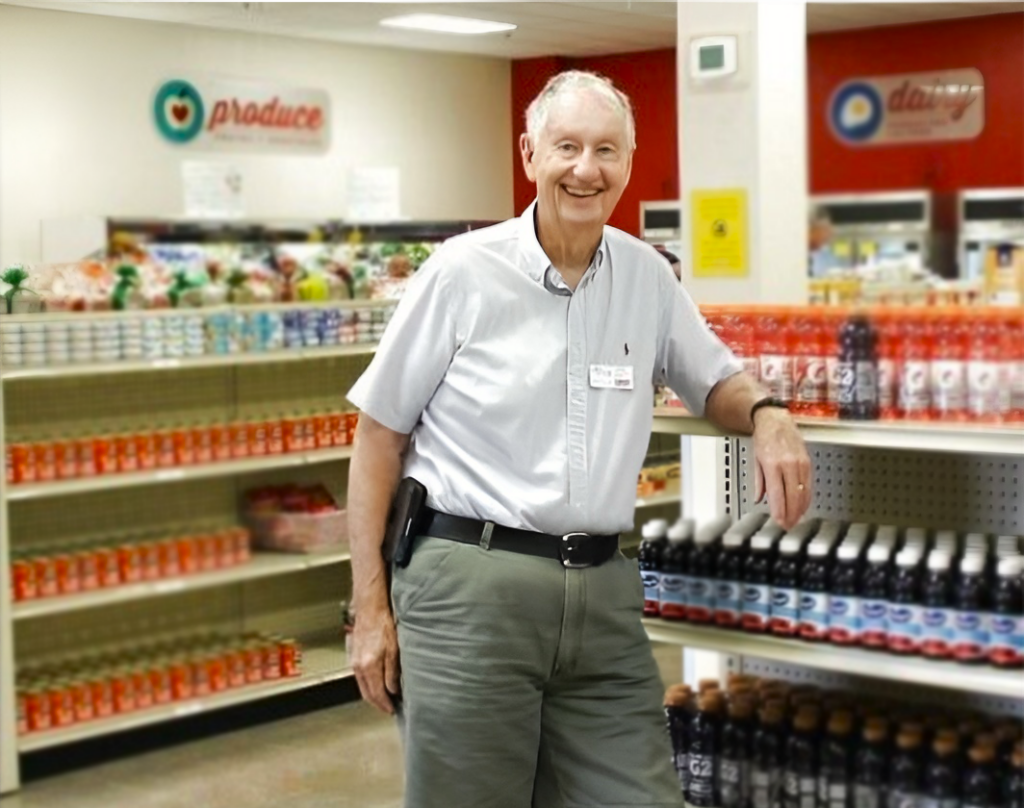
[
  {"x": 69, "y": 574},
  {"x": 217, "y": 672},
  {"x": 66, "y": 459},
  {"x": 109, "y": 569},
  {"x": 164, "y": 449},
  {"x": 37, "y": 710},
  {"x": 242, "y": 543},
  {"x": 220, "y": 438},
  {"x": 126, "y": 453},
  {"x": 208, "y": 547},
  {"x": 23, "y": 463},
  {"x": 322, "y": 429},
  {"x": 129, "y": 563},
  {"x": 81, "y": 701},
  {"x": 62, "y": 707},
  {"x": 351, "y": 422},
  {"x": 253, "y": 656},
  {"x": 202, "y": 444},
  {"x": 89, "y": 569},
  {"x": 22, "y": 709},
  {"x": 143, "y": 687},
  {"x": 123, "y": 690},
  {"x": 290, "y": 657},
  {"x": 257, "y": 432},
  {"x": 275, "y": 436},
  {"x": 308, "y": 428},
  {"x": 160, "y": 684},
  {"x": 146, "y": 450},
  {"x": 188, "y": 555},
  {"x": 184, "y": 451},
  {"x": 239, "y": 439},
  {"x": 225, "y": 548},
  {"x": 45, "y": 461},
  {"x": 23, "y": 575},
  {"x": 339, "y": 429},
  {"x": 182, "y": 682},
  {"x": 102, "y": 697},
  {"x": 103, "y": 455},
  {"x": 85, "y": 454},
  {"x": 170, "y": 558},
  {"x": 9, "y": 464},
  {"x": 149, "y": 560},
  {"x": 292, "y": 431},
  {"x": 46, "y": 576},
  {"x": 234, "y": 662},
  {"x": 201, "y": 678},
  {"x": 271, "y": 657}
]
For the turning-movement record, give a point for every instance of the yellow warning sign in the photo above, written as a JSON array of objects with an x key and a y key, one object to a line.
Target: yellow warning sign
[{"x": 719, "y": 234}]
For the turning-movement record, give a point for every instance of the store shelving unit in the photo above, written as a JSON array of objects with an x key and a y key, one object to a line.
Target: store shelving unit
[{"x": 656, "y": 500}]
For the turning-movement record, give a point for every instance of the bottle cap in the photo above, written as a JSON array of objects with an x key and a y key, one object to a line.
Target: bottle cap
[
  {"x": 972, "y": 564},
  {"x": 886, "y": 534},
  {"x": 681, "y": 530},
  {"x": 704, "y": 685},
  {"x": 710, "y": 701},
  {"x": 1009, "y": 730},
  {"x": 1010, "y": 567},
  {"x": 678, "y": 695},
  {"x": 773, "y": 715},
  {"x": 938, "y": 560},
  {"x": 762, "y": 542},
  {"x": 849, "y": 552},
  {"x": 986, "y": 739},
  {"x": 840, "y": 722},
  {"x": 817, "y": 550},
  {"x": 790, "y": 545},
  {"x": 733, "y": 540},
  {"x": 908, "y": 557},
  {"x": 806, "y": 719},
  {"x": 981, "y": 754},
  {"x": 879, "y": 553},
  {"x": 908, "y": 739},
  {"x": 915, "y": 535},
  {"x": 875, "y": 731},
  {"x": 945, "y": 537},
  {"x": 741, "y": 708},
  {"x": 770, "y": 528},
  {"x": 945, "y": 745},
  {"x": 803, "y": 530},
  {"x": 655, "y": 528},
  {"x": 976, "y": 540}
]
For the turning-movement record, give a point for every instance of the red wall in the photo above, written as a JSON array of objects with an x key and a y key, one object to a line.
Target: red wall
[{"x": 649, "y": 79}]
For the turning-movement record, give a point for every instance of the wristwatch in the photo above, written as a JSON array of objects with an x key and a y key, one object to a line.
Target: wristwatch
[{"x": 767, "y": 401}]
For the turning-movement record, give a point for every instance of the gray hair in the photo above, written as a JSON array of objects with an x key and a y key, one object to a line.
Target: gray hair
[{"x": 572, "y": 81}]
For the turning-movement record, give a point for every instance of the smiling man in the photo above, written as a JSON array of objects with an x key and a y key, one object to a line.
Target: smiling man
[{"x": 516, "y": 383}]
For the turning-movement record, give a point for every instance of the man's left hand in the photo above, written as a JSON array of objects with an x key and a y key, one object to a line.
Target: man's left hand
[{"x": 781, "y": 465}]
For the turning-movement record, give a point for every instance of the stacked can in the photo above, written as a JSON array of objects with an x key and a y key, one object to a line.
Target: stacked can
[
  {"x": 131, "y": 339},
  {"x": 58, "y": 343},
  {"x": 195, "y": 335},
  {"x": 152, "y": 338},
  {"x": 292, "y": 326},
  {"x": 173, "y": 336},
  {"x": 264, "y": 331},
  {"x": 311, "y": 323},
  {"x": 12, "y": 343},
  {"x": 329, "y": 325},
  {"x": 223, "y": 333}
]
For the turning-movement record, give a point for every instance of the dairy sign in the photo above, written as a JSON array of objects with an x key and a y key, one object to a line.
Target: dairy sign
[
  {"x": 909, "y": 108},
  {"x": 231, "y": 115}
]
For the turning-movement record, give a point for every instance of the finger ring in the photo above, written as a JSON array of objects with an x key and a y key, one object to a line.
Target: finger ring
[{"x": 800, "y": 487}]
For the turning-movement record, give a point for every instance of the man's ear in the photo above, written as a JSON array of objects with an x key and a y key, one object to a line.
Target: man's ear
[{"x": 527, "y": 151}]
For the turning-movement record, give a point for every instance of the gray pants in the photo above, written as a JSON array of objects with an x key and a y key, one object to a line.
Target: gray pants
[{"x": 527, "y": 684}]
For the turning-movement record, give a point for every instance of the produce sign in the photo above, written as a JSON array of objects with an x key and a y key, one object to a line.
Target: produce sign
[{"x": 229, "y": 115}]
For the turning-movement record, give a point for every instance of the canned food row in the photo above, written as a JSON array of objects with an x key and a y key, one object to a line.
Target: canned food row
[
  {"x": 63, "y": 695},
  {"x": 215, "y": 333},
  {"x": 84, "y": 568},
  {"x": 171, "y": 447}
]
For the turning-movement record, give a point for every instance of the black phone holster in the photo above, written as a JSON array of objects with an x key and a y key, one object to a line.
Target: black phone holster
[{"x": 408, "y": 511}]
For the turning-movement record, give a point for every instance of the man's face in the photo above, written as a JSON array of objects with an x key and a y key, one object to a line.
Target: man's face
[{"x": 581, "y": 161}]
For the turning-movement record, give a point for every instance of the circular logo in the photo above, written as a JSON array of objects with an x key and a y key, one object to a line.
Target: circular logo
[
  {"x": 856, "y": 112},
  {"x": 178, "y": 111}
]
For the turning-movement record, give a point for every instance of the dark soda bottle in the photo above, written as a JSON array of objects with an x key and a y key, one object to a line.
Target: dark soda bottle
[
  {"x": 906, "y": 769},
  {"x": 844, "y": 597},
  {"x": 1012, "y": 791},
  {"x": 970, "y": 596},
  {"x": 981, "y": 779},
  {"x": 937, "y": 613},
  {"x": 655, "y": 540},
  {"x": 1006, "y": 621},
  {"x": 678, "y": 714},
  {"x": 734, "y": 763},
  {"x": 704, "y": 750},
  {"x": 858, "y": 370},
  {"x": 836, "y": 771},
  {"x": 700, "y": 600},
  {"x": 729, "y": 584},
  {"x": 814, "y": 582},
  {"x": 874, "y": 602},
  {"x": 675, "y": 563},
  {"x": 785, "y": 610},
  {"x": 757, "y": 584},
  {"x": 904, "y": 620},
  {"x": 942, "y": 774},
  {"x": 768, "y": 756},
  {"x": 871, "y": 765},
  {"x": 800, "y": 775}
]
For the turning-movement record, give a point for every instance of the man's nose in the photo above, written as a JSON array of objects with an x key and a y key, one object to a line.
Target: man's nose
[{"x": 586, "y": 166}]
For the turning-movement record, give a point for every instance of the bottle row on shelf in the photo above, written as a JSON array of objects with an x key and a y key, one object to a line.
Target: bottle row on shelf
[
  {"x": 878, "y": 588},
  {"x": 77, "y": 690},
  {"x": 943, "y": 364},
  {"x": 84, "y": 567},
  {"x": 218, "y": 332},
  {"x": 760, "y": 743},
  {"x": 47, "y": 459}
]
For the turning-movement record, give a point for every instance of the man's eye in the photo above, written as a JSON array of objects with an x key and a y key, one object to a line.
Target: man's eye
[{"x": 566, "y": 147}]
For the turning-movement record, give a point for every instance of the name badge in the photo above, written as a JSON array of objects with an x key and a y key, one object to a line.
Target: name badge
[{"x": 611, "y": 377}]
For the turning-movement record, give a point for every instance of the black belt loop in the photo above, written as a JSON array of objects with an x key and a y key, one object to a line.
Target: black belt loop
[{"x": 485, "y": 537}]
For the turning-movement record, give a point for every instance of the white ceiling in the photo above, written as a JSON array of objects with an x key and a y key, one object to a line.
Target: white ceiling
[{"x": 564, "y": 28}]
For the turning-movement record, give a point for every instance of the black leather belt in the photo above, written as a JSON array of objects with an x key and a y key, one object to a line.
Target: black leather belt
[{"x": 574, "y": 550}]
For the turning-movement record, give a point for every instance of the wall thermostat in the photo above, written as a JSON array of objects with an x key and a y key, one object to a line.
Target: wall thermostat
[{"x": 713, "y": 57}]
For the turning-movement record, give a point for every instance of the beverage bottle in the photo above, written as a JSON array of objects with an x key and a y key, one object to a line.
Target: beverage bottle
[
  {"x": 1007, "y": 546},
  {"x": 1012, "y": 791},
  {"x": 800, "y": 775},
  {"x": 914, "y": 388},
  {"x": 981, "y": 779},
  {"x": 768, "y": 757},
  {"x": 858, "y": 370},
  {"x": 810, "y": 379},
  {"x": 814, "y": 597},
  {"x": 700, "y": 599},
  {"x": 744, "y": 343},
  {"x": 836, "y": 771},
  {"x": 735, "y": 760},
  {"x": 704, "y": 750},
  {"x": 874, "y": 604},
  {"x": 985, "y": 372},
  {"x": 678, "y": 714},
  {"x": 757, "y": 584},
  {"x": 871, "y": 765},
  {"x": 844, "y": 596},
  {"x": 949, "y": 367},
  {"x": 774, "y": 349},
  {"x": 937, "y": 615},
  {"x": 890, "y": 347},
  {"x": 906, "y": 770},
  {"x": 946, "y": 543},
  {"x": 1008, "y": 734},
  {"x": 674, "y": 568},
  {"x": 1006, "y": 618},
  {"x": 942, "y": 774},
  {"x": 904, "y": 618},
  {"x": 970, "y": 598},
  {"x": 832, "y": 323},
  {"x": 1013, "y": 341},
  {"x": 655, "y": 540},
  {"x": 729, "y": 584},
  {"x": 785, "y": 608}
]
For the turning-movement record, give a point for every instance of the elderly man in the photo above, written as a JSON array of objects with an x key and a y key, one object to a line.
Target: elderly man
[{"x": 515, "y": 382}]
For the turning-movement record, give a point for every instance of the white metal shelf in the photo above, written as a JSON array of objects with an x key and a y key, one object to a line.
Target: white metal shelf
[
  {"x": 320, "y": 663},
  {"x": 262, "y": 565},
  {"x": 825, "y": 656},
  {"x": 926, "y": 437},
  {"x": 185, "y": 363},
  {"x": 106, "y": 482},
  {"x": 658, "y": 499}
]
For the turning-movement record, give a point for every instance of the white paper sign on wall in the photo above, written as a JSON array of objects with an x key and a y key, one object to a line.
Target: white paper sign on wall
[
  {"x": 909, "y": 108},
  {"x": 212, "y": 190},
  {"x": 374, "y": 195}
]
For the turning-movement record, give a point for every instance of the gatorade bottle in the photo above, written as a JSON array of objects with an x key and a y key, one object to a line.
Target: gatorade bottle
[
  {"x": 970, "y": 638},
  {"x": 906, "y": 770},
  {"x": 874, "y": 604},
  {"x": 1006, "y": 619},
  {"x": 981, "y": 779},
  {"x": 768, "y": 757},
  {"x": 742, "y": 340},
  {"x": 773, "y": 342},
  {"x": 836, "y": 771},
  {"x": 678, "y": 714},
  {"x": 704, "y": 751},
  {"x": 985, "y": 380},
  {"x": 942, "y": 774},
  {"x": 700, "y": 599},
  {"x": 904, "y": 618},
  {"x": 1013, "y": 340},
  {"x": 871, "y": 766},
  {"x": 734, "y": 763},
  {"x": 832, "y": 323},
  {"x": 949, "y": 367},
  {"x": 814, "y": 597},
  {"x": 800, "y": 775},
  {"x": 729, "y": 583},
  {"x": 785, "y": 609},
  {"x": 1008, "y": 735},
  {"x": 844, "y": 597},
  {"x": 858, "y": 370},
  {"x": 757, "y": 584},
  {"x": 810, "y": 379},
  {"x": 655, "y": 540},
  {"x": 914, "y": 387},
  {"x": 674, "y": 567},
  {"x": 1012, "y": 791},
  {"x": 937, "y": 601},
  {"x": 890, "y": 345}
]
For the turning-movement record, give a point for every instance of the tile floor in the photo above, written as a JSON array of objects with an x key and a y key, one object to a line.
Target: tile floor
[{"x": 343, "y": 757}]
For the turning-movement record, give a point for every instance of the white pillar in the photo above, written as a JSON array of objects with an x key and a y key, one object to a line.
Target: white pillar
[{"x": 750, "y": 132}]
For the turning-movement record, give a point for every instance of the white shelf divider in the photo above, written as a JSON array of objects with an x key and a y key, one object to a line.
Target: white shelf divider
[{"x": 659, "y": 499}]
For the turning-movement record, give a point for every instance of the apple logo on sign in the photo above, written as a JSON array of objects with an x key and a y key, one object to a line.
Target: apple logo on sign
[{"x": 178, "y": 111}]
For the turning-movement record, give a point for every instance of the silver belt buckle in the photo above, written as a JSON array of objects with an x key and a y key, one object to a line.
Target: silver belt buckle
[{"x": 568, "y": 548}]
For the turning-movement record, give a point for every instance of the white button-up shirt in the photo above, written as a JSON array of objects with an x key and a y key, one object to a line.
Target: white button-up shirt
[{"x": 491, "y": 362}]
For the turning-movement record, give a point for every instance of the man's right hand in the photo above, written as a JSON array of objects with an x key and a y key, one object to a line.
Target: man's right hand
[{"x": 375, "y": 657}]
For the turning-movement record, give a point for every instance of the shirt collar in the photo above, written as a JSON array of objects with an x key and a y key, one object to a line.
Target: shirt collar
[{"x": 535, "y": 262}]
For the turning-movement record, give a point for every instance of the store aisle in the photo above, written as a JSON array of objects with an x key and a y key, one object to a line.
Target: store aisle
[{"x": 346, "y": 757}]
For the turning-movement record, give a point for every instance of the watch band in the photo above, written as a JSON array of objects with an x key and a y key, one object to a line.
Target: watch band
[{"x": 767, "y": 401}]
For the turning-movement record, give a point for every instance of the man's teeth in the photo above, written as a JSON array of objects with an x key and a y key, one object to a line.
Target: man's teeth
[{"x": 574, "y": 192}]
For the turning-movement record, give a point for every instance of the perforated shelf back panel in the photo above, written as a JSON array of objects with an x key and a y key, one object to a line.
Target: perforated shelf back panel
[{"x": 967, "y": 493}]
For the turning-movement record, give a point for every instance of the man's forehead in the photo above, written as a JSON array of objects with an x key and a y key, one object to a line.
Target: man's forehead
[{"x": 584, "y": 109}]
